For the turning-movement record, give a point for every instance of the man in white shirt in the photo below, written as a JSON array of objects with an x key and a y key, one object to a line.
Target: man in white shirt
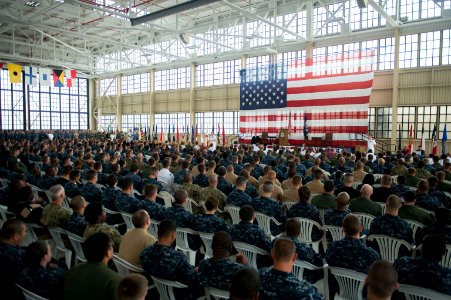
[
  {"x": 371, "y": 144},
  {"x": 166, "y": 177}
]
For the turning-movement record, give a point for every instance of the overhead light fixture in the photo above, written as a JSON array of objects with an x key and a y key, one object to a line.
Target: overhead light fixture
[
  {"x": 171, "y": 11},
  {"x": 32, "y": 3}
]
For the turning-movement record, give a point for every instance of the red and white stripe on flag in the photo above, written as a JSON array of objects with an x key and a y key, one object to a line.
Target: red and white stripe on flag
[
  {"x": 332, "y": 92},
  {"x": 71, "y": 75}
]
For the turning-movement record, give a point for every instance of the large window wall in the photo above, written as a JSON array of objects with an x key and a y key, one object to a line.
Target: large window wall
[
  {"x": 208, "y": 121},
  {"x": 41, "y": 107},
  {"x": 131, "y": 122}
]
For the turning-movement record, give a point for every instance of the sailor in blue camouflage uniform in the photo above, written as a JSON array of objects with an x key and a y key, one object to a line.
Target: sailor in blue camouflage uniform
[
  {"x": 155, "y": 210},
  {"x": 201, "y": 179},
  {"x": 350, "y": 252},
  {"x": 257, "y": 170},
  {"x": 217, "y": 271},
  {"x": 400, "y": 188},
  {"x": 237, "y": 167},
  {"x": 48, "y": 180},
  {"x": 391, "y": 224},
  {"x": 162, "y": 261},
  {"x": 335, "y": 216},
  {"x": 208, "y": 222},
  {"x": 125, "y": 202},
  {"x": 250, "y": 188},
  {"x": 77, "y": 222},
  {"x": 426, "y": 271},
  {"x": 424, "y": 200},
  {"x": 152, "y": 178},
  {"x": 37, "y": 277},
  {"x": 110, "y": 194},
  {"x": 135, "y": 178},
  {"x": 270, "y": 207},
  {"x": 11, "y": 256},
  {"x": 277, "y": 283},
  {"x": 180, "y": 175},
  {"x": 223, "y": 185},
  {"x": 72, "y": 189},
  {"x": 303, "y": 209},
  {"x": 178, "y": 213},
  {"x": 90, "y": 191},
  {"x": 304, "y": 252},
  {"x": 249, "y": 233},
  {"x": 238, "y": 197}
]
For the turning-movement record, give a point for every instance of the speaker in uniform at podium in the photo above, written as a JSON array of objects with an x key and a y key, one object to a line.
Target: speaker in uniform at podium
[{"x": 283, "y": 137}]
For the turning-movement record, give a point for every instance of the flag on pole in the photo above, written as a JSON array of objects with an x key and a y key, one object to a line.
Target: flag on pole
[
  {"x": 187, "y": 133},
  {"x": 44, "y": 77},
  {"x": 219, "y": 134},
  {"x": 289, "y": 123},
  {"x": 178, "y": 136},
  {"x": 305, "y": 127},
  {"x": 423, "y": 142},
  {"x": 161, "y": 134},
  {"x": 1, "y": 65},
  {"x": 173, "y": 133},
  {"x": 31, "y": 75},
  {"x": 444, "y": 139},
  {"x": 399, "y": 138},
  {"x": 223, "y": 136},
  {"x": 71, "y": 75},
  {"x": 434, "y": 140},
  {"x": 15, "y": 73},
  {"x": 58, "y": 78},
  {"x": 195, "y": 136},
  {"x": 411, "y": 139},
  {"x": 183, "y": 132},
  {"x": 169, "y": 133}
]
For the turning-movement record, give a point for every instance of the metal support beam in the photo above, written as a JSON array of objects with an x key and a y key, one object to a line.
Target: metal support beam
[
  {"x": 384, "y": 14},
  {"x": 254, "y": 16}
]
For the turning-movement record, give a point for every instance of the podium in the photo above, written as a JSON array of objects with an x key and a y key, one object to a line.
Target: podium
[{"x": 283, "y": 137}]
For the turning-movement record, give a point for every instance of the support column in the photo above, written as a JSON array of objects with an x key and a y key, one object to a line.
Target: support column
[
  {"x": 119, "y": 102},
  {"x": 395, "y": 95},
  {"x": 192, "y": 94},
  {"x": 93, "y": 121},
  {"x": 152, "y": 100}
]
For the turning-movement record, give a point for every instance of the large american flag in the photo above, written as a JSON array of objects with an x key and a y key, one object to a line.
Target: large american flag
[{"x": 326, "y": 94}]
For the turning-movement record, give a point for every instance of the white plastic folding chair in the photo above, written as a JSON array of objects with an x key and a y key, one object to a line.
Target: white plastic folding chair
[
  {"x": 377, "y": 177},
  {"x": 446, "y": 259},
  {"x": 31, "y": 233},
  {"x": 250, "y": 252},
  {"x": 419, "y": 293},
  {"x": 394, "y": 179},
  {"x": 415, "y": 226},
  {"x": 234, "y": 212},
  {"x": 288, "y": 204},
  {"x": 30, "y": 295},
  {"x": 124, "y": 267},
  {"x": 300, "y": 266},
  {"x": 190, "y": 203},
  {"x": 216, "y": 294},
  {"x": 356, "y": 184},
  {"x": 153, "y": 228},
  {"x": 137, "y": 193},
  {"x": 207, "y": 239},
  {"x": 183, "y": 245},
  {"x": 168, "y": 198},
  {"x": 336, "y": 233},
  {"x": 389, "y": 247},
  {"x": 264, "y": 222},
  {"x": 166, "y": 287},
  {"x": 383, "y": 206},
  {"x": 351, "y": 283},
  {"x": 77, "y": 243},
  {"x": 4, "y": 213},
  {"x": 4, "y": 182},
  {"x": 305, "y": 236},
  {"x": 128, "y": 220},
  {"x": 57, "y": 235},
  {"x": 366, "y": 220}
]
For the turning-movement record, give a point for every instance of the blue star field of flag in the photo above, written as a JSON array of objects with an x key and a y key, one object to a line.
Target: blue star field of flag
[{"x": 265, "y": 94}]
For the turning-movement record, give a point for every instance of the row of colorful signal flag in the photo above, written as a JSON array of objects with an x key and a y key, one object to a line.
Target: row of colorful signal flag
[{"x": 61, "y": 78}]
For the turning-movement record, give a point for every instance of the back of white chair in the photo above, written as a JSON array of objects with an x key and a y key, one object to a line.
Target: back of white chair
[
  {"x": 168, "y": 198},
  {"x": 356, "y": 184},
  {"x": 377, "y": 177},
  {"x": 31, "y": 233},
  {"x": 183, "y": 245},
  {"x": 383, "y": 206},
  {"x": 299, "y": 267},
  {"x": 207, "y": 239},
  {"x": 124, "y": 267},
  {"x": 264, "y": 222},
  {"x": 288, "y": 205},
  {"x": 153, "y": 228},
  {"x": 415, "y": 226},
  {"x": 190, "y": 204},
  {"x": 215, "y": 294},
  {"x": 4, "y": 182},
  {"x": 77, "y": 243},
  {"x": 418, "y": 293},
  {"x": 234, "y": 212},
  {"x": 389, "y": 247},
  {"x": 366, "y": 220},
  {"x": 30, "y": 295},
  {"x": 394, "y": 179},
  {"x": 166, "y": 287},
  {"x": 4, "y": 213},
  {"x": 336, "y": 232},
  {"x": 351, "y": 283},
  {"x": 128, "y": 220},
  {"x": 57, "y": 235},
  {"x": 305, "y": 236},
  {"x": 250, "y": 252},
  {"x": 446, "y": 259}
]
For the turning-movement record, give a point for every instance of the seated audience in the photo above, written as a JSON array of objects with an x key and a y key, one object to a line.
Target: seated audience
[
  {"x": 209, "y": 222},
  {"x": 409, "y": 211},
  {"x": 238, "y": 196},
  {"x": 77, "y": 222},
  {"x": 363, "y": 204}
]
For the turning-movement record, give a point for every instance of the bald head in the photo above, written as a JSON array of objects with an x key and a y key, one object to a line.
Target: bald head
[
  {"x": 366, "y": 191},
  {"x": 342, "y": 200},
  {"x": 271, "y": 175},
  {"x": 393, "y": 203},
  {"x": 213, "y": 180}
]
